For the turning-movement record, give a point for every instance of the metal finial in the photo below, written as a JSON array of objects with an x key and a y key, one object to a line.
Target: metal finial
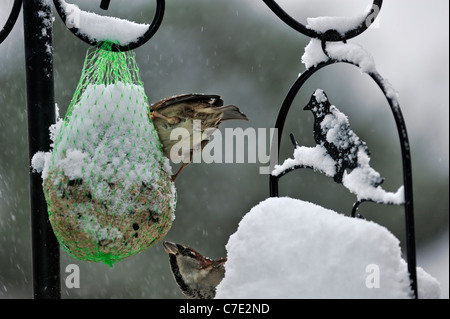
[{"x": 104, "y": 4}]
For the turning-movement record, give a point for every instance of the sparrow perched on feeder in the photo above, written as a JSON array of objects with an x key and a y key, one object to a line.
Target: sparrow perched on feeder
[
  {"x": 181, "y": 111},
  {"x": 196, "y": 275},
  {"x": 332, "y": 130}
]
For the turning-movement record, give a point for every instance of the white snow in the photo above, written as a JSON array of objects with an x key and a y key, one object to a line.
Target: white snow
[
  {"x": 430, "y": 287},
  {"x": 313, "y": 54},
  {"x": 346, "y": 52},
  {"x": 335, "y": 124},
  {"x": 102, "y": 28},
  {"x": 359, "y": 182},
  {"x": 38, "y": 162},
  {"x": 340, "y": 24},
  {"x": 339, "y": 51},
  {"x": 73, "y": 164},
  {"x": 47, "y": 21},
  {"x": 90, "y": 225},
  {"x": 288, "y": 248},
  {"x": 390, "y": 92},
  {"x": 320, "y": 96},
  {"x": 316, "y": 158}
]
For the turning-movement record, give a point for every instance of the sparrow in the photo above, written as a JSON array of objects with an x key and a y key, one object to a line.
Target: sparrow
[
  {"x": 180, "y": 112},
  {"x": 196, "y": 275},
  {"x": 332, "y": 130}
]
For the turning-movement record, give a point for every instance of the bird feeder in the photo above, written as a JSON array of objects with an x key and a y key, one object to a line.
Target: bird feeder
[{"x": 106, "y": 182}]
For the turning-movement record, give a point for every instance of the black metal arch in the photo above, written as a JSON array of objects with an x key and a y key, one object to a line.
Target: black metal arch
[
  {"x": 154, "y": 26},
  {"x": 405, "y": 150},
  {"x": 9, "y": 25},
  {"x": 363, "y": 26}
]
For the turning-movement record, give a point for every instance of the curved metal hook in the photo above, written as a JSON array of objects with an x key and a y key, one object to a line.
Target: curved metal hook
[
  {"x": 355, "y": 208},
  {"x": 9, "y": 25},
  {"x": 157, "y": 20},
  {"x": 363, "y": 26}
]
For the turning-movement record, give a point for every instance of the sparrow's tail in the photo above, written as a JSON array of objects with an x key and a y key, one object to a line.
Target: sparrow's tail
[{"x": 231, "y": 112}]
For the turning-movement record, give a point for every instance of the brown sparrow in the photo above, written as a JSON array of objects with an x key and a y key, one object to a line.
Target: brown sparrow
[
  {"x": 180, "y": 112},
  {"x": 196, "y": 275}
]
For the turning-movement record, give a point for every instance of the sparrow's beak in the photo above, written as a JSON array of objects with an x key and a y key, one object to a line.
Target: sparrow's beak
[
  {"x": 170, "y": 248},
  {"x": 219, "y": 261},
  {"x": 307, "y": 107}
]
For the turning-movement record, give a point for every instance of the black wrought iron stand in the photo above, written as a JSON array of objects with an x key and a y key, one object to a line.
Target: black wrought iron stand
[
  {"x": 334, "y": 36},
  {"x": 37, "y": 19}
]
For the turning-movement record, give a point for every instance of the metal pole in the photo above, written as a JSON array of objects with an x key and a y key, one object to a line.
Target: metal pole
[{"x": 37, "y": 18}]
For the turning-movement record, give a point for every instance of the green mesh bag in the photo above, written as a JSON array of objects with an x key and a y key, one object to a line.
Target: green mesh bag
[{"x": 107, "y": 183}]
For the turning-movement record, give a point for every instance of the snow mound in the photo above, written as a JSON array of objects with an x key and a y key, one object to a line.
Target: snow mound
[{"x": 288, "y": 248}]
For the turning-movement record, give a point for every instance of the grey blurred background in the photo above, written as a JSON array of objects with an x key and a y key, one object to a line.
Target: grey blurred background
[{"x": 242, "y": 51}]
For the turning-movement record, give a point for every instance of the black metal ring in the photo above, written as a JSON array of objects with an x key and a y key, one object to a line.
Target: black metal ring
[
  {"x": 9, "y": 25},
  {"x": 159, "y": 14},
  {"x": 365, "y": 24},
  {"x": 329, "y": 36}
]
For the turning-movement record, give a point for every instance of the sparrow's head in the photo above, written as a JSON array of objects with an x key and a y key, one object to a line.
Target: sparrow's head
[
  {"x": 318, "y": 104},
  {"x": 196, "y": 275}
]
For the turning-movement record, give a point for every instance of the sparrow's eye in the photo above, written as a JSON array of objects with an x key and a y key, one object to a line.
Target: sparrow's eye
[{"x": 186, "y": 251}]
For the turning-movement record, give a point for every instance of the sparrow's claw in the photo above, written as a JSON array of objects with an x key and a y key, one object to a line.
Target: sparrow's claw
[
  {"x": 170, "y": 120},
  {"x": 179, "y": 171}
]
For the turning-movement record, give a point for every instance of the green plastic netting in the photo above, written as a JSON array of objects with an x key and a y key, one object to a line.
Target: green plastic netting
[{"x": 107, "y": 183}]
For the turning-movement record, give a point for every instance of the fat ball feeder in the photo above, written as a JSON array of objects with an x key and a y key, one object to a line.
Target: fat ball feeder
[{"x": 106, "y": 181}]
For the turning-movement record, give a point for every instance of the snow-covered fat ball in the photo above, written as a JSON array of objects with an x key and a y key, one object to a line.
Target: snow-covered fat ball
[{"x": 107, "y": 184}]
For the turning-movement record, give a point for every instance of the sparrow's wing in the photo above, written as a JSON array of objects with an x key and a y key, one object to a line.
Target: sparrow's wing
[
  {"x": 213, "y": 100},
  {"x": 207, "y": 108}
]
